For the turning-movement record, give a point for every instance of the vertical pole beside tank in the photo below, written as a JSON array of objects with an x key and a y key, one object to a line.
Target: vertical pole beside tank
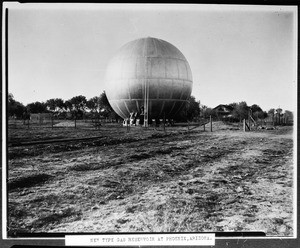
[{"x": 146, "y": 104}]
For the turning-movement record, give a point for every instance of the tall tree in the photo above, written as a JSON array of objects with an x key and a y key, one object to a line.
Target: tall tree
[
  {"x": 278, "y": 115},
  {"x": 10, "y": 98},
  {"x": 189, "y": 111},
  {"x": 243, "y": 110},
  {"x": 206, "y": 112},
  {"x": 104, "y": 101},
  {"x": 106, "y": 109},
  {"x": 14, "y": 108},
  {"x": 263, "y": 115},
  {"x": 77, "y": 106},
  {"x": 68, "y": 106},
  {"x": 94, "y": 104},
  {"x": 78, "y": 103},
  {"x": 37, "y": 107},
  {"x": 240, "y": 110},
  {"x": 55, "y": 105},
  {"x": 289, "y": 114},
  {"x": 255, "y": 108},
  {"x": 278, "y": 111},
  {"x": 257, "y": 112},
  {"x": 193, "y": 108},
  {"x": 271, "y": 112}
]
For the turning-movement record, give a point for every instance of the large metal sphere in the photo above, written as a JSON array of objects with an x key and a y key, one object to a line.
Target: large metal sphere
[{"x": 152, "y": 63}]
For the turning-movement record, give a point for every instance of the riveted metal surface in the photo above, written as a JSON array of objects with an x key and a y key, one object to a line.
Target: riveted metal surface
[{"x": 156, "y": 63}]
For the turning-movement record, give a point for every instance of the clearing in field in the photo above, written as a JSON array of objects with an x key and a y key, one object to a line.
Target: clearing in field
[{"x": 150, "y": 181}]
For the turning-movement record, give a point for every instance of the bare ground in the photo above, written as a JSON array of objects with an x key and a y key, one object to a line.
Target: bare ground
[{"x": 151, "y": 181}]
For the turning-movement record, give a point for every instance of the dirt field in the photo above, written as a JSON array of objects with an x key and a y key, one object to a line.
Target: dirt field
[{"x": 151, "y": 181}]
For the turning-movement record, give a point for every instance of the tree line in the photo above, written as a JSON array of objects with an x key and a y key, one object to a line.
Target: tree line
[
  {"x": 99, "y": 106},
  {"x": 77, "y": 106},
  {"x": 241, "y": 110}
]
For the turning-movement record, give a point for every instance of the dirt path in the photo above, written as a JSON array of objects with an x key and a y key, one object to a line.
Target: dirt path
[{"x": 197, "y": 181}]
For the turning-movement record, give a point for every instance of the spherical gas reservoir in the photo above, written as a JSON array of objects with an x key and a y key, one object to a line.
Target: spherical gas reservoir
[{"x": 148, "y": 73}]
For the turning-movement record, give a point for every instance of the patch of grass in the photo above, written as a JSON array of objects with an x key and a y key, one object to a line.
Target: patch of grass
[
  {"x": 160, "y": 135},
  {"x": 166, "y": 219},
  {"x": 154, "y": 152},
  {"x": 86, "y": 166},
  {"x": 15, "y": 211},
  {"x": 132, "y": 164},
  {"x": 180, "y": 215},
  {"x": 55, "y": 218},
  {"x": 46, "y": 198},
  {"x": 110, "y": 183},
  {"x": 142, "y": 174},
  {"x": 15, "y": 153},
  {"x": 28, "y": 181},
  {"x": 274, "y": 152},
  {"x": 140, "y": 156},
  {"x": 171, "y": 149},
  {"x": 95, "y": 166},
  {"x": 15, "y": 232}
]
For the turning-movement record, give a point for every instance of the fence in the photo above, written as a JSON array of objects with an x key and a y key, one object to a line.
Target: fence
[
  {"x": 105, "y": 124},
  {"x": 54, "y": 122}
]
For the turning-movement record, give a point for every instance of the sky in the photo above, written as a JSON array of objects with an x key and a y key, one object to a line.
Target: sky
[{"x": 236, "y": 53}]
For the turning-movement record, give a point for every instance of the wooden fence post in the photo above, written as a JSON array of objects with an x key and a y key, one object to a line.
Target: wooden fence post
[
  {"x": 52, "y": 121},
  {"x": 127, "y": 126},
  {"x": 249, "y": 119},
  {"x": 164, "y": 122},
  {"x": 246, "y": 126}
]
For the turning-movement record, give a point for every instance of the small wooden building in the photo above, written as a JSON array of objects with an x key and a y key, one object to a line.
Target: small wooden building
[{"x": 223, "y": 111}]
